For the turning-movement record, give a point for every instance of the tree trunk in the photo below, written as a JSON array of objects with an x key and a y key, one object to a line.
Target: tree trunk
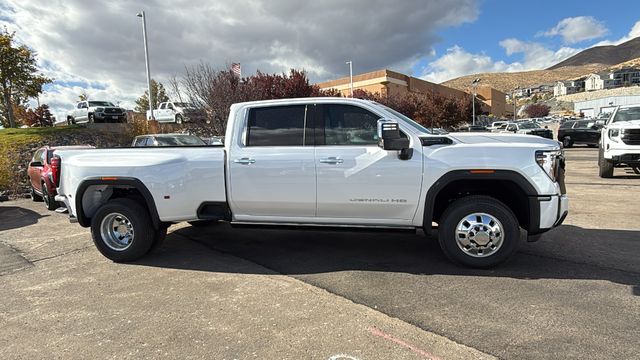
[{"x": 8, "y": 108}]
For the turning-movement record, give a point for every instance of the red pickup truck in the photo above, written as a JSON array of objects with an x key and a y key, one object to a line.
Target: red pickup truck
[{"x": 44, "y": 174}]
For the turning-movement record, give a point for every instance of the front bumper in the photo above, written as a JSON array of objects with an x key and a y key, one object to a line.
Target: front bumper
[
  {"x": 110, "y": 116},
  {"x": 553, "y": 210}
]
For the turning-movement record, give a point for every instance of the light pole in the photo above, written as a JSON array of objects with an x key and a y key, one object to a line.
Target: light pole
[
  {"x": 474, "y": 84},
  {"x": 146, "y": 59},
  {"x": 513, "y": 95},
  {"x": 350, "y": 76}
]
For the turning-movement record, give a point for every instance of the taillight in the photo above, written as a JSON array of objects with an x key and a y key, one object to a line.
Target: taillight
[{"x": 55, "y": 170}]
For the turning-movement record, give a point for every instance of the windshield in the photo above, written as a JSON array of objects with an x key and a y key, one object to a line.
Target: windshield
[
  {"x": 627, "y": 114},
  {"x": 408, "y": 120},
  {"x": 183, "y": 104},
  {"x": 179, "y": 140},
  {"x": 100, "y": 103},
  {"x": 529, "y": 125}
]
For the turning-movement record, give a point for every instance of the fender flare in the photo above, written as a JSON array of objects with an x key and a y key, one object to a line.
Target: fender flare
[
  {"x": 508, "y": 175},
  {"x": 114, "y": 181}
]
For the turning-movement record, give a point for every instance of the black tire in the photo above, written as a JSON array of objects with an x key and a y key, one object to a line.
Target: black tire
[
  {"x": 605, "y": 167},
  {"x": 139, "y": 221},
  {"x": 49, "y": 202},
  {"x": 70, "y": 121},
  {"x": 179, "y": 119},
  {"x": 159, "y": 238},
  {"x": 203, "y": 223},
  {"x": 462, "y": 208},
  {"x": 34, "y": 197},
  {"x": 91, "y": 119},
  {"x": 567, "y": 142}
]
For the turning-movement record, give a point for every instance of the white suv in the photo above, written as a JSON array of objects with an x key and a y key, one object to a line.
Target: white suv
[{"x": 620, "y": 140}]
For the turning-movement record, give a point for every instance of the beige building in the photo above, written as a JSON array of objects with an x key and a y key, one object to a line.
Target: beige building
[{"x": 387, "y": 82}]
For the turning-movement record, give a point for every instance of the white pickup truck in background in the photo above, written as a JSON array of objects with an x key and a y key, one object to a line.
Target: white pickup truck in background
[
  {"x": 620, "y": 140},
  {"x": 177, "y": 112},
  {"x": 329, "y": 162},
  {"x": 93, "y": 111}
]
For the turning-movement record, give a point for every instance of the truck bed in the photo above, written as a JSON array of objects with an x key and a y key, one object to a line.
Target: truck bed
[{"x": 180, "y": 179}]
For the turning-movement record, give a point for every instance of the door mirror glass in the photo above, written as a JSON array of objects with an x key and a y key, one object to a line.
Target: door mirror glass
[{"x": 389, "y": 135}]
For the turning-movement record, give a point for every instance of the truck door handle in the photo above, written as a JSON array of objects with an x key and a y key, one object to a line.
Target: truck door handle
[
  {"x": 244, "y": 161},
  {"x": 331, "y": 160}
]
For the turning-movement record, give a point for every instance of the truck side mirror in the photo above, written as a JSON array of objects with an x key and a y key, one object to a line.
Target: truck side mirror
[{"x": 389, "y": 135}]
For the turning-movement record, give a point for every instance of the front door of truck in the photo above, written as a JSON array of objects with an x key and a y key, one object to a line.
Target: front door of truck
[
  {"x": 359, "y": 182},
  {"x": 272, "y": 168}
]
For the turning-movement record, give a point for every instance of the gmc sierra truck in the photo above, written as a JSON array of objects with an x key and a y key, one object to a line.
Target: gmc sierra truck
[
  {"x": 620, "y": 141},
  {"x": 325, "y": 162}
]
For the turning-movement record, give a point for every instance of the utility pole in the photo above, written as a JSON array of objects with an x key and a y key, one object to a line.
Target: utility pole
[
  {"x": 350, "y": 76},
  {"x": 146, "y": 59},
  {"x": 474, "y": 84}
]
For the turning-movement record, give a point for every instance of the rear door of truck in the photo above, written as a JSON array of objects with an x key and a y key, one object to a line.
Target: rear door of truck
[{"x": 272, "y": 164}]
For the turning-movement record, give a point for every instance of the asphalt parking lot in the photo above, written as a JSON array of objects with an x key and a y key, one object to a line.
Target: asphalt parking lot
[{"x": 253, "y": 293}]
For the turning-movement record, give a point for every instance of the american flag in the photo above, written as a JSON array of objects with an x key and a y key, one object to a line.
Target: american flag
[{"x": 235, "y": 68}]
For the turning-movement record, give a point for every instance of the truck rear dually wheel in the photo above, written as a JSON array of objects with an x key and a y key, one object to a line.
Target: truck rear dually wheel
[
  {"x": 122, "y": 230},
  {"x": 478, "y": 231}
]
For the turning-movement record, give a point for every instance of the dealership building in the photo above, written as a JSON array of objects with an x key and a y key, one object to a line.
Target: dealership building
[
  {"x": 591, "y": 108},
  {"x": 391, "y": 83}
]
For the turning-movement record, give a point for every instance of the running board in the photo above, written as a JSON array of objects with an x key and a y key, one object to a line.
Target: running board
[{"x": 324, "y": 227}]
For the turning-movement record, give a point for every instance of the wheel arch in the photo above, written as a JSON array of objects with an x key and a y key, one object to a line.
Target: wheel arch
[
  {"x": 87, "y": 196},
  {"x": 508, "y": 186}
]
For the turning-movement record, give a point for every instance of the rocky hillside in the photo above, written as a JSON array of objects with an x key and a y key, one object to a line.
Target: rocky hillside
[
  {"x": 608, "y": 55},
  {"x": 508, "y": 81}
]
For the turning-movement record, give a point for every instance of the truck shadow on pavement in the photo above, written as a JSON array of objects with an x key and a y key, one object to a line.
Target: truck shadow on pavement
[
  {"x": 568, "y": 252},
  {"x": 12, "y": 217}
]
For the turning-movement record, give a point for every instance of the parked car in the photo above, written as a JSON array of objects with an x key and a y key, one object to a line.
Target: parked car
[
  {"x": 167, "y": 140},
  {"x": 579, "y": 132},
  {"x": 362, "y": 166},
  {"x": 44, "y": 174},
  {"x": 620, "y": 140},
  {"x": 495, "y": 125},
  {"x": 177, "y": 112},
  {"x": 528, "y": 128},
  {"x": 96, "y": 111}
]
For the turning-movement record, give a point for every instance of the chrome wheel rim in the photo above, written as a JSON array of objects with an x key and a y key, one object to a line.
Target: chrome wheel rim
[
  {"x": 479, "y": 235},
  {"x": 117, "y": 231}
]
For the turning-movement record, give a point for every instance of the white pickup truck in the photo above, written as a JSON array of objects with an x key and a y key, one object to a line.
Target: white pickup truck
[
  {"x": 326, "y": 162},
  {"x": 177, "y": 112},
  {"x": 96, "y": 111},
  {"x": 620, "y": 140}
]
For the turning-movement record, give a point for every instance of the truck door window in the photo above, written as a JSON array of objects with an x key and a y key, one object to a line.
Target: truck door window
[
  {"x": 80, "y": 105},
  {"x": 277, "y": 126},
  {"x": 349, "y": 125},
  {"x": 162, "y": 106}
]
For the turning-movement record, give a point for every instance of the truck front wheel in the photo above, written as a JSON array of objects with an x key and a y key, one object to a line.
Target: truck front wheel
[
  {"x": 605, "y": 167},
  {"x": 478, "y": 231},
  {"x": 179, "y": 119},
  {"x": 122, "y": 230}
]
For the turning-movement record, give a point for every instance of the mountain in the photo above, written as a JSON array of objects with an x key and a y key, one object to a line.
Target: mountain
[
  {"x": 609, "y": 55},
  {"x": 506, "y": 82}
]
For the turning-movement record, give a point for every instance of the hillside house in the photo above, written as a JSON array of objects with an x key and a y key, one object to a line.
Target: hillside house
[
  {"x": 612, "y": 79},
  {"x": 568, "y": 87}
]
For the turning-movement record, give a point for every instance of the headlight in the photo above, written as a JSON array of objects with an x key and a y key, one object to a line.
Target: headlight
[
  {"x": 615, "y": 133},
  {"x": 548, "y": 161}
]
